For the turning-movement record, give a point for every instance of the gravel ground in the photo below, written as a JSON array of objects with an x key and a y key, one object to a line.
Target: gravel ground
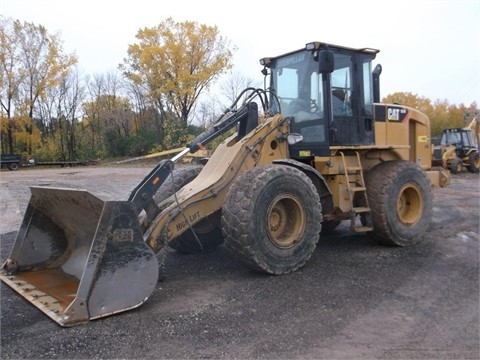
[{"x": 352, "y": 300}]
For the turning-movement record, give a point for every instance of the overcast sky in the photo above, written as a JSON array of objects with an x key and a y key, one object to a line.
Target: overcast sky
[{"x": 428, "y": 47}]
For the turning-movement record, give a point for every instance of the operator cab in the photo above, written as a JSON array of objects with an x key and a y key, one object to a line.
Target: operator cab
[
  {"x": 328, "y": 93},
  {"x": 462, "y": 139}
]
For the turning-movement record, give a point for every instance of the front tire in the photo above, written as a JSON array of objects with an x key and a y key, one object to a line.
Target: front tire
[
  {"x": 400, "y": 197},
  {"x": 456, "y": 166},
  {"x": 271, "y": 219}
]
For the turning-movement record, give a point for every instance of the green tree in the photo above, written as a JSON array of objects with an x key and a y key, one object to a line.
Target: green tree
[{"x": 175, "y": 62}]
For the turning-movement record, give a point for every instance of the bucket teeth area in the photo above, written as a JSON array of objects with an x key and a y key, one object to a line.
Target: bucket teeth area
[{"x": 48, "y": 290}]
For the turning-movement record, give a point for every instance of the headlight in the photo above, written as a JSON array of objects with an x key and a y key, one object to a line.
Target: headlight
[{"x": 294, "y": 138}]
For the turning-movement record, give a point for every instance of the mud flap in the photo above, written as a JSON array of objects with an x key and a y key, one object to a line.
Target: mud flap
[{"x": 79, "y": 258}]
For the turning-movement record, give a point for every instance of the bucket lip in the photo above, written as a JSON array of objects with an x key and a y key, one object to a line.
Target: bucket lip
[
  {"x": 74, "y": 314},
  {"x": 48, "y": 187},
  {"x": 41, "y": 300}
]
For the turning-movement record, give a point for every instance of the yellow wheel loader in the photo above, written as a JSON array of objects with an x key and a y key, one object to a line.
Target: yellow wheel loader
[{"x": 311, "y": 150}]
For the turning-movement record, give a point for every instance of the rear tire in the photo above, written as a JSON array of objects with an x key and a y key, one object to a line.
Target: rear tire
[
  {"x": 473, "y": 163},
  {"x": 13, "y": 166},
  {"x": 400, "y": 197},
  {"x": 271, "y": 219}
]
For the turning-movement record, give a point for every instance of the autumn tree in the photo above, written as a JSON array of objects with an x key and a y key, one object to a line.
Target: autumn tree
[
  {"x": 12, "y": 75},
  {"x": 31, "y": 61},
  {"x": 441, "y": 113},
  {"x": 175, "y": 62},
  {"x": 99, "y": 110},
  {"x": 409, "y": 99}
]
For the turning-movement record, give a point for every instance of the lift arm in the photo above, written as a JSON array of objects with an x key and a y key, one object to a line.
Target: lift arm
[{"x": 142, "y": 195}]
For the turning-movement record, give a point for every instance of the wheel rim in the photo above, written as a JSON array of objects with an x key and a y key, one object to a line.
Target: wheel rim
[
  {"x": 459, "y": 167},
  {"x": 409, "y": 204},
  {"x": 476, "y": 162},
  {"x": 286, "y": 221}
]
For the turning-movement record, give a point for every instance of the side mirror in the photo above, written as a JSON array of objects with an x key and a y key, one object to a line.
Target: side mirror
[{"x": 326, "y": 62}]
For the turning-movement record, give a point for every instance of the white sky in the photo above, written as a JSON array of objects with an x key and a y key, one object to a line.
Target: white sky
[{"x": 428, "y": 47}]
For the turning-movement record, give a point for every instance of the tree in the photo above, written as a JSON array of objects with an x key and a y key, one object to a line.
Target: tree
[
  {"x": 58, "y": 114},
  {"x": 234, "y": 84},
  {"x": 409, "y": 99},
  {"x": 31, "y": 61},
  {"x": 12, "y": 75},
  {"x": 441, "y": 113},
  {"x": 175, "y": 62}
]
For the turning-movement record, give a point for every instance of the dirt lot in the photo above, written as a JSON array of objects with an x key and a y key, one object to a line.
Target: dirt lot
[{"x": 353, "y": 300}]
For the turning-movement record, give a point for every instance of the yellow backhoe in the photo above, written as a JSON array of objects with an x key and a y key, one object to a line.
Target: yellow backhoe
[
  {"x": 313, "y": 149},
  {"x": 458, "y": 149}
]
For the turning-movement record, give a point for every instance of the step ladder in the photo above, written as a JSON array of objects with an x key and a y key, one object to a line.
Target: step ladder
[{"x": 356, "y": 186}]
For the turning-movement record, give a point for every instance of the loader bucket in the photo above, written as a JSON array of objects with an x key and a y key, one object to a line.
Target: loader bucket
[{"x": 78, "y": 258}]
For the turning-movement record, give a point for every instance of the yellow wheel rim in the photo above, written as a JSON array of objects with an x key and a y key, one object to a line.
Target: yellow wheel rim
[
  {"x": 286, "y": 221},
  {"x": 409, "y": 204}
]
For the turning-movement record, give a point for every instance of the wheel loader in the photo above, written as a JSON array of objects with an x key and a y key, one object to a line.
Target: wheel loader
[
  {"x": 458, "y": 149},
  {"x": 312, "y": 149}
]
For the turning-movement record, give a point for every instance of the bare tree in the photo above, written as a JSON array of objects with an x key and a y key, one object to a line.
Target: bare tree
[{"x": 233, "y": 85}]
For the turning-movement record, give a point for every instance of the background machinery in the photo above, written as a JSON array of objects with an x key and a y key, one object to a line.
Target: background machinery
[
  {"x": 320, "y": 151},
  {"x": 10, "y": 161},
  {"x": 458, "y": 149}
]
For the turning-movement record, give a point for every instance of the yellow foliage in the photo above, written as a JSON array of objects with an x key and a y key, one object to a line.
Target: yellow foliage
[
  {"x": 176, "y": 61},
  {"x": 31, "y": 62},
  {"x": 441, "y": 113}
]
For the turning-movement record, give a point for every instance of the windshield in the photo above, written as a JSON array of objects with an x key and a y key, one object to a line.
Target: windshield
[
  {"x": 297, "y": 84},
  {"x": 458, "y": 138}
]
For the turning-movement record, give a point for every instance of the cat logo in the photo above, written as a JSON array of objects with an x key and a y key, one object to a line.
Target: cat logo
[
  {"x": 393, "y": 114},
  {"x": 396, "y": 114}
]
